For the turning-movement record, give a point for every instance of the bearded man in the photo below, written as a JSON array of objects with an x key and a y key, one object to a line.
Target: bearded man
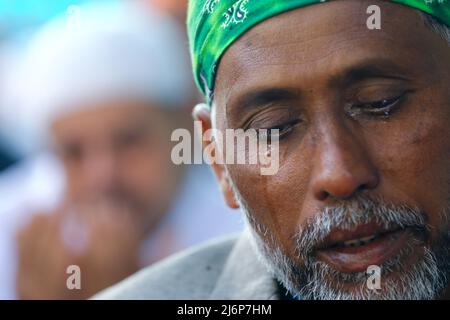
[{"x": 364, "y": 143}]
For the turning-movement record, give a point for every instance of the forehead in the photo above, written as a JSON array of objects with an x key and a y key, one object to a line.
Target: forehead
[
  {"x": 106, "y": 116},
  {"x": 312, "y": 44}
]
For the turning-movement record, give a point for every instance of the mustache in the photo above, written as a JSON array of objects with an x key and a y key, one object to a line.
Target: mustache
[{"x": 349, "y": 214}]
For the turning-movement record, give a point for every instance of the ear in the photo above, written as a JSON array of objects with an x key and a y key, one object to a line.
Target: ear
[{"x": 202, "y": 113}]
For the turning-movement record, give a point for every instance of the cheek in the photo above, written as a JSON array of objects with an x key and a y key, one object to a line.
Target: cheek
[
  {"x": 275, "y": 201},
  {"x": 414, "y": 163}
]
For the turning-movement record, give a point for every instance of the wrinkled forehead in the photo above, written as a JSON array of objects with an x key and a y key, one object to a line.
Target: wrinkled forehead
[{"x": 318, "y": 43}]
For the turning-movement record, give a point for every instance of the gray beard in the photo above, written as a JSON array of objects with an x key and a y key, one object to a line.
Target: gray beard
[{"x": 316, "y": 280}]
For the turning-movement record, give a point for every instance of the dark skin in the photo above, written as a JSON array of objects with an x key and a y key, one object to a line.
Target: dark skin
[{"x": 360, "y": 111}]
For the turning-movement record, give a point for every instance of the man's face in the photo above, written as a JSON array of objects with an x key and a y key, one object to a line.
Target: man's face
[
  {"x": 364, "y": 175},
  {"x": 118, "y": 153}
]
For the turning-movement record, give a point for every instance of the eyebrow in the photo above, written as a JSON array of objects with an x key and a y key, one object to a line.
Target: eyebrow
[
  {"x": 261, "y": 97},
  {"x": 368, "y": 69}
]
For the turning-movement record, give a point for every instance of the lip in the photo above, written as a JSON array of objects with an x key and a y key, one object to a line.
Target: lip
[{"x": 359, "y": 258}]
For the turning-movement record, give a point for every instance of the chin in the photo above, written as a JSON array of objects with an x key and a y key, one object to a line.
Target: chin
[{"x": 413, "y": 274}]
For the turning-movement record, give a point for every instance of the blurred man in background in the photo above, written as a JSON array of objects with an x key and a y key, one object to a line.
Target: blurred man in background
[{"x": 106, "y": 93}]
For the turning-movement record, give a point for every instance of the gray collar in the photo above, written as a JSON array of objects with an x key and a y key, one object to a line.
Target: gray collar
[{"x": 244, "y": 277}]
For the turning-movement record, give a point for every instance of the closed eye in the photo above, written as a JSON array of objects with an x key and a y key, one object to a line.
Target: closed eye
[
  {"x": 281, "y": 130},
  {"x": 382, "y": 107}
]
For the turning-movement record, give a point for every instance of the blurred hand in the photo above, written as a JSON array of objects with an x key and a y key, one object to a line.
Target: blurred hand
[{"x": 100, "y": 238}]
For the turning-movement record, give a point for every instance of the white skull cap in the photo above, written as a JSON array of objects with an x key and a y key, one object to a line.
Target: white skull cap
[{"x": 100, "y": 52}]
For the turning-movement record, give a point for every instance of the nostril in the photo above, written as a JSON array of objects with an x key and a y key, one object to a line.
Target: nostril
[
  {"x": 362, "y": 188},
  {"x": 371, "y": 183},
  {"x": 342, "y": 188},
  {"x": 322, "y": 195}
]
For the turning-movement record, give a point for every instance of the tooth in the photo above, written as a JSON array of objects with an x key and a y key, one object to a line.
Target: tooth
[
  {"x": 367, "y": 239},
  {"x": 351, "y": 243},
  {"x": 359, "y": 242}
]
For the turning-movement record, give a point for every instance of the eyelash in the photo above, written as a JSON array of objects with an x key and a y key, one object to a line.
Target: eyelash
[
  {"x": 386, "y": 108},
  {"x": 284, "y": 129}
]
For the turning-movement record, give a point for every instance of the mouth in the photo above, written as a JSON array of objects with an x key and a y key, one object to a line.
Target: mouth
[{"x": 355, "y": 250}]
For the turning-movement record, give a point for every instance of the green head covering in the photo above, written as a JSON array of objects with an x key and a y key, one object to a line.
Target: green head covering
[{"x": 213, "y": 25}]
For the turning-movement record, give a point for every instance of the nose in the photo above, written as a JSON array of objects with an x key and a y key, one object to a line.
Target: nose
[
  {"x": 100, "y": 170},
  {"x": 343, "y": 167}
]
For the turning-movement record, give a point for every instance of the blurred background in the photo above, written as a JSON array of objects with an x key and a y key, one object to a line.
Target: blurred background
[{"x": 90, "y": 92}]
